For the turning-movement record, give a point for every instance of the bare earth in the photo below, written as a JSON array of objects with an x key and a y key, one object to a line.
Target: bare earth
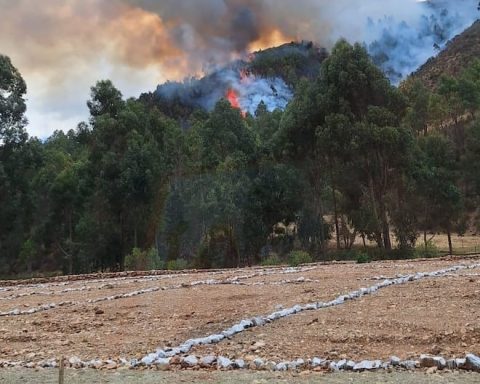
[{"x": 434, "y": 315}]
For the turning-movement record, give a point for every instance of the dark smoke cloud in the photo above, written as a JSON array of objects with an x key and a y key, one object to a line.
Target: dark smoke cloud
[{"x": 62, "y": 47}]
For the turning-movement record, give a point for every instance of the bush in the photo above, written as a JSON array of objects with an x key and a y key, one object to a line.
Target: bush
[
  {"x": 363, "y": 258},
  {"x": 272, "y": 259},
  {"x": 428, "y": 252},
  {"x": 140, "y": 260},
  {"x": 177, "y": 265},
  {"x": 295, "y": 258}
]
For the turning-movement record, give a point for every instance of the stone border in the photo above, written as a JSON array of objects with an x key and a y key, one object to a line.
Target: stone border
[
  {"x": 103, "y": 277},
  {"x": 229, "y": 281},
  {"x": 262, "y": 320},
  {"x": 470, "y": 362},
  {"x": 171, "y": 356}
]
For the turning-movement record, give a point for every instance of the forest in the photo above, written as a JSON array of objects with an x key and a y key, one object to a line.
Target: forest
[{"x": 146, "y": 184}]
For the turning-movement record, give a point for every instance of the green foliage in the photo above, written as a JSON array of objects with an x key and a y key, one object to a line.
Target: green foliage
[
  {"x": 291, "y": 62},
  {"x": 147, "y": 260},
  {"x": 295, "y": 258},
  {"x": 12, "y": 106},
  {"x": 271, "y": 260},
  {"x": 177, "y": 265},
  {"x": 351, "y": 155},
  {"x": 363, "y": 258},
  {"x": 426, "y": 251},
  {"x": 27, "y": 254}
]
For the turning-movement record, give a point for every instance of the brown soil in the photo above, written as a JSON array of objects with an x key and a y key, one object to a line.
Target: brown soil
[{"x": 434, "y": 315}]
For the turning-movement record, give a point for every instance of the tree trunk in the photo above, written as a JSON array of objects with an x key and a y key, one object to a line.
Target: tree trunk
[
  {"x": 378, "y": 233},
  {"x": 322, "y": 232},
  {"x": 425, "y": 239},
  {"x": 70, "y": 238},
  {"x": 385, "y": 227},
  {"x": 334, "y": 197},
  {"x": 450, "y": 246}
]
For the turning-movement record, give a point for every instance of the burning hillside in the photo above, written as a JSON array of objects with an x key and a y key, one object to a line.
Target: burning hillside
[{"x": 268, "y": 76}]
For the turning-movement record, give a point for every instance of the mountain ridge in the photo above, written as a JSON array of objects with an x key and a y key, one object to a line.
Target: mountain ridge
[{"x": 459, "y": 53}]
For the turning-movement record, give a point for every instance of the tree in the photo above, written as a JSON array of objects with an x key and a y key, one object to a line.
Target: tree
[
  {"x": 18, "y": 160},
  {"x": 436, "y": 183},
  {"x": 12, "y": 107},
  {"x": 361, "y": 127},
  {"x": 418, "y": 114}
]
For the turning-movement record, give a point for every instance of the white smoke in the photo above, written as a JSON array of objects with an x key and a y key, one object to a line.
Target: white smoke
[
  {"x": 250, "y": 90},
  {"x": 400, "y": 45},
  {"x": 274, "y": 93}
]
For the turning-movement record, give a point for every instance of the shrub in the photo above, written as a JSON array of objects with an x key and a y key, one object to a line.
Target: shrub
[
  {"x": 140, "y": 260},
  {"x": 177, "y": 265},
  {"x": 272, "y": 259},
  {"x": 295, "y": 258},
  {"x": 430, "y": 251},
  {"x": 363, "y": 258}
]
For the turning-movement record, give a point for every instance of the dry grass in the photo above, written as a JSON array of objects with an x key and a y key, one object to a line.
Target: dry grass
[{"x": 461, "y": 244}]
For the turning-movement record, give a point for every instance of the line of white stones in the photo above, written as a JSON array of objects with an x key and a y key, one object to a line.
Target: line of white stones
[
  {"x": 164, "y": 359},
  {"x": 198, "y": 283},
  {"x": 40, "y": 308},
  {"x": 184, "y": 348},
  {"x": 469, "y": 362},
  {"x": 111, "y": 282},
  {"x": 230, "y": 281}
]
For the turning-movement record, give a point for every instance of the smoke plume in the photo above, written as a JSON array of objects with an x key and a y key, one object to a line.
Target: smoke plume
[{"x": 62, "y": 47}]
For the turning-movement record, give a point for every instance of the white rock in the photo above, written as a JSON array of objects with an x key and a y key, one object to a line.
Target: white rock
[
  {"x": 333, "y": 366},
  {"x": 149, "y": 359},
  {"x": 316, "y": 362},
  {"x": 395, "y": 361},
  {"x": 460, "y": 363},
  {"x": 239, "y": 363},
  {"x": 259, "y": 363},
  {"x": 207, "y": 361},
  {"x": 224, "y": 363},
  {"x": 440, "y": 362},
  {"x": 75, "y": 362},
  {"x": 365, "y": 365},
  {"x": 472, "y": 362},
  {"x": 190, "y": 361},
  {"x": 350, "y": 365},
  {"x": 408, "y": 364},
  {"x": 342, "y": 364}
]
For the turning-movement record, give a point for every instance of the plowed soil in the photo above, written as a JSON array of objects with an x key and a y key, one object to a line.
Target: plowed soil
[{"x": 434, "y": 315}]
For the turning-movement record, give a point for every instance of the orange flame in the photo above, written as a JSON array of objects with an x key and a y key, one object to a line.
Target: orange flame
[{"x": 232, "y": 97}]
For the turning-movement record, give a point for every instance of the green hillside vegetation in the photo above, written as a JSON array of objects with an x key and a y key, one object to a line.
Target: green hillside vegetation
[{"x": 134, "y": 187}]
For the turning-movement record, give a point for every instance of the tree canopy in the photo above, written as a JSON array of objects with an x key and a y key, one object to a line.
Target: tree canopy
[{"x": 352, "y": 156}]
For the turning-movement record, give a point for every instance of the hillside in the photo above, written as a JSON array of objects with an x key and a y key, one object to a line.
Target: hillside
[
  {"x": 458, "y": 54},
  {"x": 270, "y": 75}
]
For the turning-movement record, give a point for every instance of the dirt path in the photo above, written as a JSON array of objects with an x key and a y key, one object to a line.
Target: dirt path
[{"x": 150, "y": 377}]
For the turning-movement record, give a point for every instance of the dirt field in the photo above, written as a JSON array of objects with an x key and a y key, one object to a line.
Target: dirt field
[{"x": 433, "y": 315}]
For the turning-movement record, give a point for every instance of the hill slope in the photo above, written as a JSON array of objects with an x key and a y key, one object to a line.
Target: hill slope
[
  {"x": 458, "y": 54},
  {"x": 269, "y": 75}
]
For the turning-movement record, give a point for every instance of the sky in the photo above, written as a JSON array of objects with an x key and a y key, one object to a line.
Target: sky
[{"x": 62, "y": 47}]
